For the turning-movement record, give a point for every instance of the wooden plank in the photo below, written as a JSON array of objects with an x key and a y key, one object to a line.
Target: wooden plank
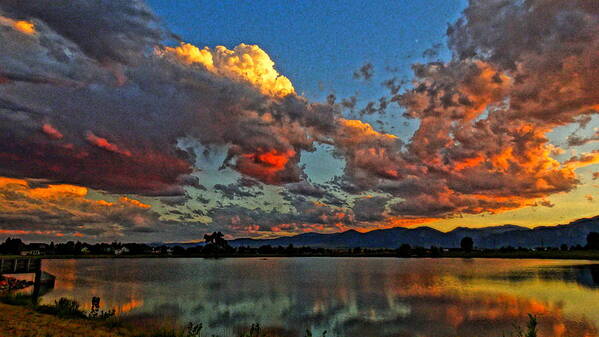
[{"x": 20, "y": 265}]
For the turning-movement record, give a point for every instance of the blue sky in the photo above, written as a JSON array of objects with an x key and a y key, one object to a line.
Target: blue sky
[{"x": 318, "y": 44}]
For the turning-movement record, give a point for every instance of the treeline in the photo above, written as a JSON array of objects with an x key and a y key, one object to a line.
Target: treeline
[
  {"x": 216, "y": 245},
  {"x": 218, "y": 248}
]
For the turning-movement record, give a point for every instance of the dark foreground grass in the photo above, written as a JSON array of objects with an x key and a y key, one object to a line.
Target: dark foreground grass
[{"x": 20, "y": 317}]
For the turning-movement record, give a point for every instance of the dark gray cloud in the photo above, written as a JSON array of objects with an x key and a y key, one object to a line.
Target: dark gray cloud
[{"x": 370, "y": 209}]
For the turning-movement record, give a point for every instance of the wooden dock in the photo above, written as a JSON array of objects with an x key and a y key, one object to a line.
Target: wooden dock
[{"x": 23, "y": 265}]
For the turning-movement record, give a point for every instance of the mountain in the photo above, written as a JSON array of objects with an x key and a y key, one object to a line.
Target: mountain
[{"x": 571, "y": 234}]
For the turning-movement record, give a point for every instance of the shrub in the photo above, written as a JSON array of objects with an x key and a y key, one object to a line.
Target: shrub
[{"x": 64, "y": 307}]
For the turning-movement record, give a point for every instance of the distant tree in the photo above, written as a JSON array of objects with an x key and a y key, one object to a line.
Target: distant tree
[
  {"x": 265, "y": 249},
  {"x": 13, "y": 246},
  {"x": 564, "y": 247},
  {"x": 215, "y": 243},
  {"x": 593, "y": 240},
  {"x": 467, "y": 244},
  {"x": 216, "y": 238},
  {"x": 405, "y": 250},
  {"x": 178, "y": 250}
]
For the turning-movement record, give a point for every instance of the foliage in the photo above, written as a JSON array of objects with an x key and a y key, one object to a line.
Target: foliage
[
  {"x": 405, "y": 250},
  {"x": 64, "y": 308},
  {"x": 593, "y": 240},
  {"x": 467, "y": 243}
]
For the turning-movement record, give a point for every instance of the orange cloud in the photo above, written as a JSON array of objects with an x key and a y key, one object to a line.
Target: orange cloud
[
  {"x": 264, "y": 165},
  {"x": 62, "y": 209},
  {"x": 103, "y": 143},
  {"x": 51, "y": 131},
  {"x": 22, "y": 26}
]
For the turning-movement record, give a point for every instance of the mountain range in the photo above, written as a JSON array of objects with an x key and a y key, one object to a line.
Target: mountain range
[{"x": 571, "y": 234}]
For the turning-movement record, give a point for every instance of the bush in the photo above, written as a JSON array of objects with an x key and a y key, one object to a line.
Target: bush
[{"x": 64, "y": 307}]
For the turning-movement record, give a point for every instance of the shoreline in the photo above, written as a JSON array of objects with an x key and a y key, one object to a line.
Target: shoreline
[{"x": 592, "y": 255}]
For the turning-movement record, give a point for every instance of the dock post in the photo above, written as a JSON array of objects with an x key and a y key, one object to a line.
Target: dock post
[{"x": 37, "y": 284}]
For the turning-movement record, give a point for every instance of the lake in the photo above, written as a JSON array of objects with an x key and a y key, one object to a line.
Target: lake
[{"x": 344, "y": 296}]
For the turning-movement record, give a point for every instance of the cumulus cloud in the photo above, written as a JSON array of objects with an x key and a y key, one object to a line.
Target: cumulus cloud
[
  {"x": 122, "y": 100},
  {"x": 519, "y": 70},
  {"x": 245, "y": 62}
]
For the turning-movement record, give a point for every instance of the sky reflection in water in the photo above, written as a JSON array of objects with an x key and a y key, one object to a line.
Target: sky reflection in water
[{"x": 346, "y": 296}]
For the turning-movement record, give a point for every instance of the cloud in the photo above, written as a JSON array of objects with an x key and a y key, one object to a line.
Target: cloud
[
  {"x": 304, "y": 216},
  {"x": 122, "y": 101},
  {"x": 67, "y": 210},
  {"x": 109, "y": 113},
  {"x": 245, "y": 62},
  {"x": 370, "y": 209},
  {"x": 49, "y": 130},
  {"x": 103, "y": 143},
  {"x": 576, "y": 140},
  {"x": 22, "y": 26},
  {"x": 237, "y": 190},
  {"x": 365, "y": 72},
  {"x": 121, "y": 29},
  {"x": 519, "y": 70}
]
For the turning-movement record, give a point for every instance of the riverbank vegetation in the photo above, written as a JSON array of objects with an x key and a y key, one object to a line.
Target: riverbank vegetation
[{"x": 216, "y": 246}]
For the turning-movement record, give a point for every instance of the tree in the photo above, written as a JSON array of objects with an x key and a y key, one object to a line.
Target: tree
[
  {"x": 405, "y": 250},
  {"x": 593, "y": 240},
  {"x": 13, "y": 246},
  {"x": 215, "y": 242},
  {"x": 467, "y": 244}
]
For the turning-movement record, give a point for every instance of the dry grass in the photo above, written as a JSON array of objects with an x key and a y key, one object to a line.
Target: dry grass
[{"x": 19, "y": 321}]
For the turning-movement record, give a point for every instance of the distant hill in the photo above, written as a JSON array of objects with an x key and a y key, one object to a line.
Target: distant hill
[{"x": 572, "y": 234}]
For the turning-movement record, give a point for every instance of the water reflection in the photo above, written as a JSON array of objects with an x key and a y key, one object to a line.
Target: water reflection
[{"x": 346, "y": 297}]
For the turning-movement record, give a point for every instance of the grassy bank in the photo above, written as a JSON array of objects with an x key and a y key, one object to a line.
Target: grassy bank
[{"x": 23, "y": 321}]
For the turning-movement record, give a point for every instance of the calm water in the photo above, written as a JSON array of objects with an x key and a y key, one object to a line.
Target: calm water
[{"x": 345, "y": 296}]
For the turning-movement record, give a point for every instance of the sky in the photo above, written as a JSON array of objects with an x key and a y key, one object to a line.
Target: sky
[{"x": 162, "y": 121}]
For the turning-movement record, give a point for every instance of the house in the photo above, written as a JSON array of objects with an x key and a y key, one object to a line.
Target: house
[
  {"x": 30, "y": 252},
  {"x": 35, "y": 249},
  {"x": 121, "y": 251}
]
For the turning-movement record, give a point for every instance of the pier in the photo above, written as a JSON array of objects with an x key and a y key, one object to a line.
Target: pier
[{"x": 20, "y": 265}]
